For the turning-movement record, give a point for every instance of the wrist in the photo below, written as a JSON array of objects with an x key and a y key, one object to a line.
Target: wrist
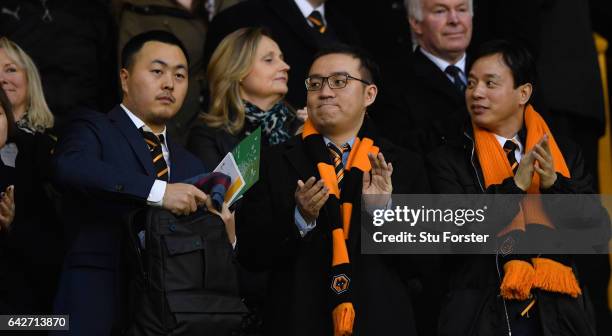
[
  {"x": 550, "y": 182},
  {"x": 520, "y": 185},
  {"x": 306, "y": 217}
]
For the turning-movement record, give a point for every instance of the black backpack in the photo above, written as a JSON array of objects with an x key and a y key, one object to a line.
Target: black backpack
[{"x": 182, "y": 275}]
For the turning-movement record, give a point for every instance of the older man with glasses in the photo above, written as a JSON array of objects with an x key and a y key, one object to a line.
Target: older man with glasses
[{"x": 290, "y": 222}]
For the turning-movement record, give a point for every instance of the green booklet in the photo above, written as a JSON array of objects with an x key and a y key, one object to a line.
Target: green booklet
[{"x": 242, "y": 165}]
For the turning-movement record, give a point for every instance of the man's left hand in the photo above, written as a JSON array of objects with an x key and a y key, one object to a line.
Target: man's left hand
[
  {"x": 378, "y": 180},
  {"x": 545, "y": 166}
]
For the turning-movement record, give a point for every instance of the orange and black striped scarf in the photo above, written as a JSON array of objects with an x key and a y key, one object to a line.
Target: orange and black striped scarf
[
  {"x": 543, "y": 273},
  {"x": 340, "y": 213}
]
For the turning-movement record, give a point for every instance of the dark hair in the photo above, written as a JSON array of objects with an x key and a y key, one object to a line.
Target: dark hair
[
  {"x": 369, "y": 69},
  {"x": 514, "y": 55},
  {"x": 134, "y": 45},
  {"x": 8, "y": 111}
]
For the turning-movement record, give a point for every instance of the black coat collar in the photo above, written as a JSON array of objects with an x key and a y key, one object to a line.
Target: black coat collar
[
  {"x": 288, "y": 12},
  {"x": 429, "y": 74}
]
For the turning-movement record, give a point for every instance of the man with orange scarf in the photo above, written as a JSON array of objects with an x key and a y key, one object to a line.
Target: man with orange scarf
[
  {"x": 508, "y": 148},
  {"x": 302, "y": 219}
]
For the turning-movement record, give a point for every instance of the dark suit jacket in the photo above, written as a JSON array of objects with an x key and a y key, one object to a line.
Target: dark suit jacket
[
  {"x": 426, "y": 112},
  {"x": 296, "y": 39},
  {"x": 106, "y": 169},
  {"x": 268, "y": 239}
]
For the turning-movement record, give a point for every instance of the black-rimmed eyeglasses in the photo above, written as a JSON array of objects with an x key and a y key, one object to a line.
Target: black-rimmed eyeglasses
[{"x": 337, "y": 81}]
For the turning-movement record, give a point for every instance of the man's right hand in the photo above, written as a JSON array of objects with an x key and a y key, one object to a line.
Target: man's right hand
[
  {"x": 310, "y": 197},
  {"x": 182, "y": 198}
]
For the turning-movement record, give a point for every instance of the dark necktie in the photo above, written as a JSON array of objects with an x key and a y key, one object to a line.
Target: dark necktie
[
  {"x": 155, "y": 148},
  {"x": 509, "y": 147},
  {"x": 455, "y": 73},
  {"x": 317, "y": 21},
  {"x": 336, "y": 154}
]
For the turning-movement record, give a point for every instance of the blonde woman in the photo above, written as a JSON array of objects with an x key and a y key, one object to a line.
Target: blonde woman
[
  {"x": 21, "y": 82},
  {"x": 247, "y": 77},
  {"x": 35, "y": 230}
]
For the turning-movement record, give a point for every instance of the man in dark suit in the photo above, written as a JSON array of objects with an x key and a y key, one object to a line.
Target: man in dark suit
[
  {"x": 110, "y": 165},
  {"x": 424, "y": 113},
  {"x": 287, "y": 222},
  {"x": 300, "y": 27}
]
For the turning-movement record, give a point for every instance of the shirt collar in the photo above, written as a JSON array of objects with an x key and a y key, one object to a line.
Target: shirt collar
[
  {"x": 442, "y": 64},
  {"x": 306, "y": 8},
  {"x": 350, "y": 142},
  {"x": 140, "y": 124},
  {"x": 515, "y": 138}
]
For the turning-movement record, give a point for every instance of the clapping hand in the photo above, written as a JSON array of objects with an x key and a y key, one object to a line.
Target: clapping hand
[
  {"x": 302, "y": 114},
  {"x": 7, "y": 208},
  {"x": 544, "y": 164},
  {"x": 378, "y": 180},
  {"x": 310, "y": 198},
  {"x": 538, "y": 160}
]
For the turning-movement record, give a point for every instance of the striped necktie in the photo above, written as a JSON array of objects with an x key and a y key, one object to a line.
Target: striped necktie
[
  {"x": 154, "y": 143},
  {"x": 336, "y": 155},
  {"x": 317, "y": 21},
  {"x": 509, "y": 147}
]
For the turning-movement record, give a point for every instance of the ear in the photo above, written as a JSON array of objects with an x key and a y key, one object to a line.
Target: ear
[
  {"x": 124, "y": 75},
  {"x": 370, "y": 95},
  {"x": 525, "y": 92},
  {"x": 415, "y": 26}
]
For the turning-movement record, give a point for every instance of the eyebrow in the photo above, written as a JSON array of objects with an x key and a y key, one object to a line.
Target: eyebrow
[
  {"x": 271, "y": 53},
  {"x": 164, "y": 64},
  {"x": 332, "y": 74},
  {"x": 489, "y": 76}
]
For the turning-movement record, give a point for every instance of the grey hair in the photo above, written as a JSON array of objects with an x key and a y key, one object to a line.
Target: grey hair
[{"x": 415, "y": 8}]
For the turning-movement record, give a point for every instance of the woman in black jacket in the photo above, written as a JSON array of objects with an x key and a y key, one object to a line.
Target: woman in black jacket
[
  {"x": 247, "y": 77},
  {"x": 33, "y": 245}
]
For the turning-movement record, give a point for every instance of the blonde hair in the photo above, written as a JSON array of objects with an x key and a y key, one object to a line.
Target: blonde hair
[
  {"x": 38, "y": 116},
  {"x": 229, "y": 64}
]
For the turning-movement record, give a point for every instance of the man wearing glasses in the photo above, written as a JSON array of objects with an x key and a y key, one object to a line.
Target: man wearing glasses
[{"x": 290, "y": 223}]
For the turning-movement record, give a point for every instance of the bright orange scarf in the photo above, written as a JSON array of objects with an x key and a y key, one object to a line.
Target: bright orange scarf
[
  {"x": 496, "y": 168},
  {"x": 520, "y": 276}
]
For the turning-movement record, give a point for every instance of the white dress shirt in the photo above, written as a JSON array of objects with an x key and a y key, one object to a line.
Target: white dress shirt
[
  {"x": 518, "y": 153},
  {"x": 442, "y": 64},
  {"x": 306, "y": 9},
  {"x": 156, "y": 195}
]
